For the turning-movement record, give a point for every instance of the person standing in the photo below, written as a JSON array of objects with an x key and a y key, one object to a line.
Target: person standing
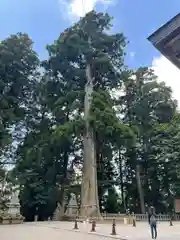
[
  {"x": 150, "y": 213},
  {"x": 153, "y": 225}
]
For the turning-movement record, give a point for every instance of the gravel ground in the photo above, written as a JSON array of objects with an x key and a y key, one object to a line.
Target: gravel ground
[{"x": 64, "y": 230}]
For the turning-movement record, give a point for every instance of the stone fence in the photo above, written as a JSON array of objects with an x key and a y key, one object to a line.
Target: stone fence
[
  {"x": 121, "y": 217},
  {"x": 139, "y": 217}
]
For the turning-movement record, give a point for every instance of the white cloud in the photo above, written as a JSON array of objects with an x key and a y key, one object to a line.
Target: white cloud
[
  {"x": 78, "y": 8},
  {"x": 132, "y": 55},
  {"x": 168, "y": 73}
]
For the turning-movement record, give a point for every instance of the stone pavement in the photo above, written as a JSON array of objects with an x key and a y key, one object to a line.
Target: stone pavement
[
  {"x": 64, "y": 230},
  {"x": 140, "y": 232},
  {"x": 32, "y": 232}
]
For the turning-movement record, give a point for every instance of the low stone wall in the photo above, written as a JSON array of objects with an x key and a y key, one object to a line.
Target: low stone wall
[
  {"x": 11, "y": 218},
  {"x": 140, "y": 217},
  {"x": 120, "y": 217}
]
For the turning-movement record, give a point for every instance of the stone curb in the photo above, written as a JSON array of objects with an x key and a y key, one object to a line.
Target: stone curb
[
  {"x": 94, "y": 233},
  {"x": 107, "y": 236},
  {"x": 90, "y": 233}
]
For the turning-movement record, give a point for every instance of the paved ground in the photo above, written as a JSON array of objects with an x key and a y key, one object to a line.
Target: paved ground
[{"x": 64, "y": 230}]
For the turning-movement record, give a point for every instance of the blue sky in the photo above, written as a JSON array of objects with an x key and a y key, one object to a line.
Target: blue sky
[
  {"x": 43, "y": 20},
  {"x": 138, "y": 19}
]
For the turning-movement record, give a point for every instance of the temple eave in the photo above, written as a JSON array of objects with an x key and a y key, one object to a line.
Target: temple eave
[{"x": 167, "y": 40}]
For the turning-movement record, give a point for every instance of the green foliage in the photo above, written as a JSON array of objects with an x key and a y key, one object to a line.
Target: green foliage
[
  {"x": 148, "y": 106},
  {"x": 106, "y": 122},
  {"x": 38, "y": 198},
  {"x": 18, "y": 63},
  {"x": 112, "y": 201}
]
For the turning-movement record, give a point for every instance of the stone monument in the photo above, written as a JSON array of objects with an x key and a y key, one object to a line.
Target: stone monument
[
  {"x": 56, "y": 215},
  {"x": 14, "y": 205},
  {"x": 72, "y": 207}
]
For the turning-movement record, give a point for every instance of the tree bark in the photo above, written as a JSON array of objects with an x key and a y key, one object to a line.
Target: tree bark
[
  {"x": 89, "y": 190},
  {"x": 62, "y": 192},
  {"x": 140, "y": 189},
  {"x": 121, "y": 180}
]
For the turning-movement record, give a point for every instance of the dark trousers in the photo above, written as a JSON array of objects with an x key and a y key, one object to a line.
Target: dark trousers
[{"x": 153, "y": 231}]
